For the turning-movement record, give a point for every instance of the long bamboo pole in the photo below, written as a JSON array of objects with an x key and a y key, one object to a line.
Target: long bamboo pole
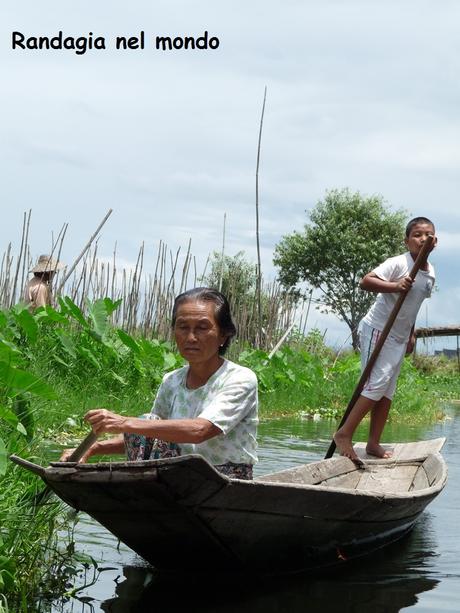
[
  {"x": 420, "y": 261},
  {"x": 259, "y": 268},
  {"x": 85, "y": 249}
]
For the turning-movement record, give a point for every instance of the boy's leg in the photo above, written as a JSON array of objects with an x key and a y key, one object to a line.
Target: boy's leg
[
  {"x": 379, "y": 414},
  {"x": 343, "y": 436}
]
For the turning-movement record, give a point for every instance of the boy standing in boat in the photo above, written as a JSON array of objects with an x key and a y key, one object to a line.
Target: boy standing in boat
[{"x": 389, "y": 279}]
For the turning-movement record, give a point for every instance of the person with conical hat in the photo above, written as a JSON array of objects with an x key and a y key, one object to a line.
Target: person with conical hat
[{"x": 38, "y": 289}]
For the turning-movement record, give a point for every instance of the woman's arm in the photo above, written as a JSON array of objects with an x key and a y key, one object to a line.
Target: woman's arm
[
  {"x": 195, "y": 430},
  {"x": 372, "y": 283}
]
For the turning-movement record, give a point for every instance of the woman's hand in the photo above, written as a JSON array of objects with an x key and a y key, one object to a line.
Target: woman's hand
[
  {"x": 102, "y": 420},
  {"x": 65, "y": 457}
]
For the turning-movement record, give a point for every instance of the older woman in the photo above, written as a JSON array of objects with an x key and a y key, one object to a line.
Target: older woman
[{"x": 208, "y": 407}]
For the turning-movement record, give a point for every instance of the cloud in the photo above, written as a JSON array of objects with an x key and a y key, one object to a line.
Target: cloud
[{"x": 359, "y": 94}]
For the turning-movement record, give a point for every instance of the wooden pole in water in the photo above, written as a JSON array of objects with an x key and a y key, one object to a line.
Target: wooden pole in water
[{"x": 420, "y": 261}]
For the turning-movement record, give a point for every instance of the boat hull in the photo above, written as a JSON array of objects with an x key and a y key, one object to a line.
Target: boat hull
[{"x": 181, "y": 509}]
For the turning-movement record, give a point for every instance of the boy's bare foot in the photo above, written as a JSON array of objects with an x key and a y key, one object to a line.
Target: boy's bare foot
[
  {"x": 345, "y": 447},
  {"x": 378, "y": 451}
]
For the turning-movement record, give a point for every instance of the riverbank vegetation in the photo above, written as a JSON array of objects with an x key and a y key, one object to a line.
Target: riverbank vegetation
[{"x": 57, "y": 363}]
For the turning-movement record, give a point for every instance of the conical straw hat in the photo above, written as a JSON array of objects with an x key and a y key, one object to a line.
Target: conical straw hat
[{"x": 46, "y": 263}]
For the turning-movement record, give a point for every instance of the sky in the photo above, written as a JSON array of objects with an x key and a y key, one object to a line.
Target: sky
[{"x": 360, "y": 93}]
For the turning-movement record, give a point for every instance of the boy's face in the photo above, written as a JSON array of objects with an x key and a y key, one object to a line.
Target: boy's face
[{"x": 417, "y": 237}]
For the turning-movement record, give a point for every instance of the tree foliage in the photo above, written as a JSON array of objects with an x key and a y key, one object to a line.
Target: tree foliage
[
  {"x": 236, "y": 277},
  {"x": 233, "y": 275},
  {"x": 348, "y": 236}
]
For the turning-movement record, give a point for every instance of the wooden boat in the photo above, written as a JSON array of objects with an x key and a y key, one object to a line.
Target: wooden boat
[{"x": 180, "y": 510}]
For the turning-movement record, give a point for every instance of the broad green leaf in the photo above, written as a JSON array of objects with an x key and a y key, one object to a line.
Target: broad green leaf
[
  {"x": 50, "y": 314},
  {"x": 9, "y": 352},
  {"x": 128, "y": 341},
  {"x": 24, "y": 381},
  {"x": 60, "y": 361},
  {"x": 75, "y": 311},
  {"x": 67, "y": 343},
  {"x": 98, "y": 316},
  {"x": 20, "y": 428},
  {"x": 7, "y": 573},
  {"x": 89, "y": 355},
  {"x": 169, "y": 361},
  {"x": 8, "y": 416},
  {"x": 3, "y": 320},
  {"x": 28, "y": 325},
  {"x": 24, "y": 412},
  {"x": 111, "y": 306},
  {"x": 118, "y": 378}
]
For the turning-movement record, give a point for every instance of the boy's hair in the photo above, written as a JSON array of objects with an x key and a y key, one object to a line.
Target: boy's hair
[{"x": 415, "y": 221}]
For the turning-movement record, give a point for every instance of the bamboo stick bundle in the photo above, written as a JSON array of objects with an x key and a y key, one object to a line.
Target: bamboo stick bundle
[
  {"x": 18, "y": 261},
  {"x": 7, "y": 291},
  {"x": 60, "y": 242},
  {"x": 183, "y": 281},
  {"x": 2, "y": 280},
  {"x": 91, "y": 275},
  {"x": 134, "y": 289},
  {"x": 83, "y": 279},
  {"x": 147, "y": 306},
  {"x": 107, "y": 281},
  {"x": 124, "y": 291},
  {"x": 114, "y": 272},
  {"x": 127, "y": 321},
  {"x": 27, "y": 263}
]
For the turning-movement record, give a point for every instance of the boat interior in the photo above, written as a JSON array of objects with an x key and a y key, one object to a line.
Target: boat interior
[{"x": 412, "y": 467}]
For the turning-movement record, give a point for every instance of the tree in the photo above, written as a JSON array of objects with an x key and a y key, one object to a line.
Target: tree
[
  {"x": 238, "y": 281},
  {"x": 348, "y": 236},
  {"x": 234, "y": 275}
]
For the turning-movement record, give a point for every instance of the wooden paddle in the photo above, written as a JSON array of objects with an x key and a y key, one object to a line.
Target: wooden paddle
[
  {"x": 83, "y": 447},
  {"x": 420, "y": 261},
  {"x": 75, "y": 456}
]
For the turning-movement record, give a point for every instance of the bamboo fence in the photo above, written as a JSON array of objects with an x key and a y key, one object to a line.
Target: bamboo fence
[{"x": 147, "y": 290}]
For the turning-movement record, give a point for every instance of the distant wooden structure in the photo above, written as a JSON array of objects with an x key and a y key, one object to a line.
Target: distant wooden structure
[{"x": 439, "y": 331}]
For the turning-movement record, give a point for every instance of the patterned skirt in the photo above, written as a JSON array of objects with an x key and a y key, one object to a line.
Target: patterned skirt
[{"x": 139, "y": 447}]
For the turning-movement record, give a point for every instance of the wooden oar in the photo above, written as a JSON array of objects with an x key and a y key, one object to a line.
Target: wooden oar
[
  {"x": 421, "y": 259},
  {"x": 83, "y": 447},
  {"x": 75, "y": 456}
]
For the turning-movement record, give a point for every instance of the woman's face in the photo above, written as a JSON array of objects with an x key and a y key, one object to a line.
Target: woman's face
[{"x": 197, "y": 332}]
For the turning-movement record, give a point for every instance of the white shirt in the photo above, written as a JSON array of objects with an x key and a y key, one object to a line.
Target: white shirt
[
  {"x": 228, "y": 400},
  {"x": 391, "y": 270}
]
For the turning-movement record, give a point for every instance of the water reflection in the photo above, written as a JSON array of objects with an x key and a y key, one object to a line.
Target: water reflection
[{"x": 389, "y": 583}]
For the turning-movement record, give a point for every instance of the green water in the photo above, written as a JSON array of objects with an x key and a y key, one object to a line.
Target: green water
[{"x": 420, "y": 572}]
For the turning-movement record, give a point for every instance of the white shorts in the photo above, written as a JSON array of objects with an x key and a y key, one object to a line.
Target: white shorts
[{"x": 384, "y": 374}]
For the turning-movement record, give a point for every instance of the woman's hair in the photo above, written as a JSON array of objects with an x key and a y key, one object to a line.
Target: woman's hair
[
  {"x": 221, "y": 310},
  {"x": 44, "y": 276}
]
